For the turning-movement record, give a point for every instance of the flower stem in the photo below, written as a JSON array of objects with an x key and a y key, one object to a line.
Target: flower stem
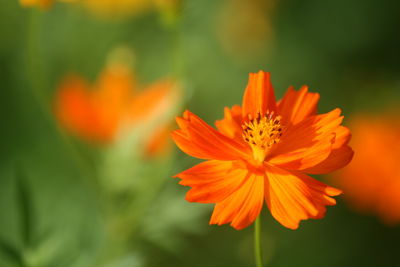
[{"x": 257, "y": 242}]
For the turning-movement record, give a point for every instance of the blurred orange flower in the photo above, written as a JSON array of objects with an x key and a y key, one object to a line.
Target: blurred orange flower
[
  {"x": 261, "y": 152},
  {"x": 112, "y": 8},
  {"x": 117, "y": 7},
  {"x": 372, "y": 181},
  {"x": 39, "y": 3},
  {"x": 43, "y": 4},
  {"x": 101, "y": 113}
]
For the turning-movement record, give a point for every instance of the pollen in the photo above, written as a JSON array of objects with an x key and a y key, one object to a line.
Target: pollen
[{"x": 261, "y": 133}]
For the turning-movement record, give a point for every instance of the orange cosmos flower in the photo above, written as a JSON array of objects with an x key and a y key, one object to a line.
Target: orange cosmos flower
[
  {"x": 111, "y": 108},
  {"x": 372, "y": 181},
  {"x": 262, "y": 152}
]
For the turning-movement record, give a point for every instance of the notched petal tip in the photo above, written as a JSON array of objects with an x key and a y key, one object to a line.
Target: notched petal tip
[
  {"x": 311, "y": 142},
  {"x": 294, "y": 197},
  {"x": 333, "y": 192},
  {"x": 296, "y": 106},
  {"x": 186, "y": 114},
  {"x": 198, "y": 139},
  {"x": 259, "y": 95},
  {"x": 212, "y": 181},
  {"x": 231, "y": 124},
  {"x": 338, "y": 158},
  {"x": 243, "y": 206}
]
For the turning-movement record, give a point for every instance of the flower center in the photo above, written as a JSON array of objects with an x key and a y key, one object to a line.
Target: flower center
[{"x": 261, "y": 133}]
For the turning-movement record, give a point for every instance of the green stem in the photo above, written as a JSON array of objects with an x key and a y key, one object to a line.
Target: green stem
[{"x": 257, "y": 242}]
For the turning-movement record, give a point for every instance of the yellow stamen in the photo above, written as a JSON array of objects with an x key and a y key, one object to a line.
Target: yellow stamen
[{"x": 261, "y": 133}]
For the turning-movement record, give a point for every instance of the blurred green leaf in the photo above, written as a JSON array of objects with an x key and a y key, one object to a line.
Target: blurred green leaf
[
  {"x": 26, "y": 210},
  {"x": 10, "y": 253}
]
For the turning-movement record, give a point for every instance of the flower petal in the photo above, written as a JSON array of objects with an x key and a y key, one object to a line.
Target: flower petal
[
  {"x": 158, "y": 142},
  {"x": 292, "y": 197},
  {"x": 243, "y": 206},
  {"x": 337, "y": 159},
  {"x": 307, "y": 143},
  {"x": 76, "y": 111},
  {"x": 230, "y": 125},
  {"x": 112, "y": 95},
  {"x": 198, "y": 139},
  {"x": 212, "y": 181},
  {"x": 342, "y": 137},
  {"x": 259, "y": 96},
  {"x": 156, "y": 102},
  {"x": 295, "y": 106},
  {"x": 340, "y": 155}
]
